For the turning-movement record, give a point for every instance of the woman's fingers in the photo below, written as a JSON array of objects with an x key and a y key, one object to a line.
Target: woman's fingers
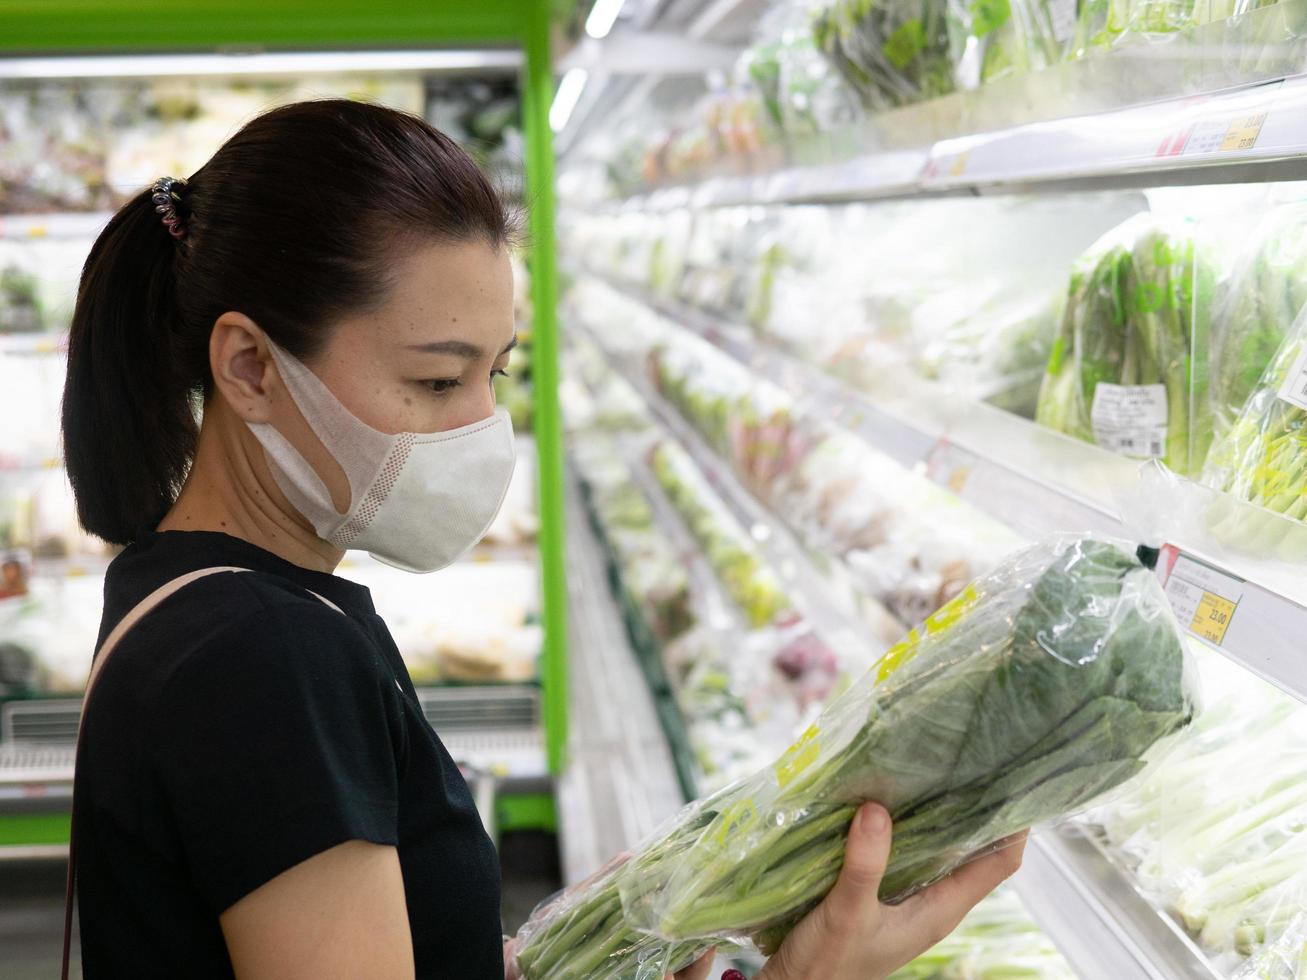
[
  {"x": 855, "y": 899},
  {"x": 698, "y": 970},
  {"x": 937, "y": 911}
]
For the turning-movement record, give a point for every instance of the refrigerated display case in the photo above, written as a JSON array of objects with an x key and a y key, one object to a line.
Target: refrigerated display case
[
  {"x": 896, "y": 340},
  {"x": 95, "y": 103}
]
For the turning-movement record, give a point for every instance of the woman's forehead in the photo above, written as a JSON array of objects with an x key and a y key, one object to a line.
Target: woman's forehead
[{"x": 446, "y": 292}]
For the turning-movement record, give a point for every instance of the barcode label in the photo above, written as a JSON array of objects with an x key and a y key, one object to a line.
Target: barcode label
[
  {"x": 1294, "y": 390},
  {"x": 1131, "y": 419}
]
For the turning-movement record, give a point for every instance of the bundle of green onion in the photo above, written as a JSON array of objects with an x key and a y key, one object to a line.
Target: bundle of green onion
[
  {"x": 1262, "y": 458},
  {"x": 1043, "y": 685}
]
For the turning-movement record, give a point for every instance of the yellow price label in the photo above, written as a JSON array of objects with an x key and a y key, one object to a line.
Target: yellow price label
[
  {"x": 1243, "y": 132},
  {"x": 1212, "y": 617},
  {"x": 799, "y": 756}
]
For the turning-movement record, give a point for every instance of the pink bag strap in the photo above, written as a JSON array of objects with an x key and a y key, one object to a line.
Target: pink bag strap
[{"x": 138, "y": 612}]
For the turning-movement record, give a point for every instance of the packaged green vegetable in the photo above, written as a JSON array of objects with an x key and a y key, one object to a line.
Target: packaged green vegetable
[
  {"x": 1255, "y": 307},
  {"x": 1126, "y": 369},
  {"x": 1262, "y": 458},
  {"x": 1044, "y": 685}
]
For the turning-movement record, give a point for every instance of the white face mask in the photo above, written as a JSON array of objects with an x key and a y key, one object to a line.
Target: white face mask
[{"x": 417, "y": 501}]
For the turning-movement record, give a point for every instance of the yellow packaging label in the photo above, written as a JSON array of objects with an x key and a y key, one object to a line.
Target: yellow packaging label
[
  {"x": 948, "y": 614},
  {"x": 735, "y": 819},
  {"x": 943, "y": 618},
  {"x": 799, "y": 756}
]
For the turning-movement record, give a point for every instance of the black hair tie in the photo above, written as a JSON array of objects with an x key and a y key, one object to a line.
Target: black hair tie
[{"x": 166, "y": 193}]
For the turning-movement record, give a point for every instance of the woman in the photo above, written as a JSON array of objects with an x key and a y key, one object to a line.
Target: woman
[{"x": 259, "y": 793}]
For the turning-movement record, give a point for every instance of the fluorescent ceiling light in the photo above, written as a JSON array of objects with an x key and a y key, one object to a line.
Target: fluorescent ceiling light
[
  {"x": 603, "y": 15},
  {"x": 259, "y": 63},
  {"x": 565, "y": 99}
]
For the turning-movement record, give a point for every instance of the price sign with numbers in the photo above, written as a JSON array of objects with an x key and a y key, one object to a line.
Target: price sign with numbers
[{"x": 1205, "y": 599}]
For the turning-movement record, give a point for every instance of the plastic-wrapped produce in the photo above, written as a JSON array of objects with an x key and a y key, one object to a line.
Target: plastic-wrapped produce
[
  {"x": 996, "y": 941},
  {"x": 1103, "y": 23},
  {"x": 1262, "y": 458},
  {"x": 998, "y": 355},
  {"x": 1124, "y": 368},
  {"x": 1255, "y": 307},
  {"x": 893, "y": 52},
  {"x": 1044, "y": 685},
  {"x": 896, "y": 52},
  {"x": 1218, "y": 835},
  {"x": 753, "y": 586}
]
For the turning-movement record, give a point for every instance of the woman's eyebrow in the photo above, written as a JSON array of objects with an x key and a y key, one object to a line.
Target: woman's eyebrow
[{"x": 458, "y": 348}]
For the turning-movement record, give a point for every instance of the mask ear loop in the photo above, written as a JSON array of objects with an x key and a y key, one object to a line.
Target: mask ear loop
[{"x": 358, "y": 450}]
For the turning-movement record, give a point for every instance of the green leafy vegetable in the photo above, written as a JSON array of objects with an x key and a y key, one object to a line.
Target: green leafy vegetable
[
  {"x": 1137, "y": 316},
  {"x": 1042, "y": 686}
]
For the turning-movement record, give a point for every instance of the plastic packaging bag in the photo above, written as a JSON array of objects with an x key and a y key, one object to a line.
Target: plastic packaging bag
[
  {"x": 1256, "y": 305},
  {"x": 996, "y": 941},
  {"x": 1216, "y": 836},
  {"x": 1124, "y": 368},
  {"x": 1262, "y": 458},
  {"x": 1044, "y": 685}
]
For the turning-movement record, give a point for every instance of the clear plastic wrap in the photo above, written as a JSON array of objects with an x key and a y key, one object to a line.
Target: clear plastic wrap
[
  {"x": 1045, "y": 684},
  {"x": 997, "y": 941},
  {"x": 1256, "y": 305},
  {"x": 1125, "y": 371},
  {"x": 1218, "y": 835},
  {"x": 1262, "y": 457}
]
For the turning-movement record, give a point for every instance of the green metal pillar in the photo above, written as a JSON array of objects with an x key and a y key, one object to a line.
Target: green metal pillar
[{"x": 537, "y": 94}]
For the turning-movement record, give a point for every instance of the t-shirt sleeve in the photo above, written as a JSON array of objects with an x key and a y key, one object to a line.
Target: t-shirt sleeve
[{"x": 278, "y": 739}]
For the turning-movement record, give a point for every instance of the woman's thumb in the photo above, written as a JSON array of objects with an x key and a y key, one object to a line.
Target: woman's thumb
[{"x": 857, "y": 892}]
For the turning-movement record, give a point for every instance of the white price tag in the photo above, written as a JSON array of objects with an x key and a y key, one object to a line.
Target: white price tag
[
  {"x": 1294, "y": 390},
  {"x": 1130, "y": 419},
  {"x": 1205, "y": 599}
]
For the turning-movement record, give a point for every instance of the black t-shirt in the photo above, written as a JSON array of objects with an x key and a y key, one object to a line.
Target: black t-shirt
[{"x": 242, "y": 727}]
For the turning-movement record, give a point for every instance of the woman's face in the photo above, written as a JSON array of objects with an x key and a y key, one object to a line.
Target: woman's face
[
  {"x": 422, "y": 362},
  {"x": 426, "y": 360}
]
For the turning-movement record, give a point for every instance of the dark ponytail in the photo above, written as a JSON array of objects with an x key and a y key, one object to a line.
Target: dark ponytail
[{"x": 296, "y": 222}]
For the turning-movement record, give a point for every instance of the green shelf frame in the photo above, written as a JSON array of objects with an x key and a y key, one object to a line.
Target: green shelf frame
[{"x": 89, "y": 27}]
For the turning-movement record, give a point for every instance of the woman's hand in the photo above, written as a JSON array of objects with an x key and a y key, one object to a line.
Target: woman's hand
[{"x": 852, "y": 936}]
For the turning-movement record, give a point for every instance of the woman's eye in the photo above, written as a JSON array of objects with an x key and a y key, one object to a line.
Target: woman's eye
[
  {"x": 442, "y": 385},
  {"x": 499, "y": 373}
]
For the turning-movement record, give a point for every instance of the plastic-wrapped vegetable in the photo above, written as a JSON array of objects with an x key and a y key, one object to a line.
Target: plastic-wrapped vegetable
[
  {"x": 1255, "y": 307},
  {"x": 1103, "y": 23},
  {"x": 1124, "y": 368},
  {"x": 753, "y": 587},
  {"x": 892, "y": 52},
  {"x": 996, "y": 941},
  {"x": 1231, "y": 866},
  {"x": 1044, "y": 685},
  {"x": 1263, "y": 457}
]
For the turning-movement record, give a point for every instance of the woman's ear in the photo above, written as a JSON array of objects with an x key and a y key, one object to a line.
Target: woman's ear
[{"x": 242, "y": 366}]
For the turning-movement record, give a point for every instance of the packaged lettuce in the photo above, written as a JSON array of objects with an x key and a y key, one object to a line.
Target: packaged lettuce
[
  {"x": 1262, "y": 458},
  {"x": 1255, "y": 307},
  {"x": 1044, "y": 685},
  {"x": 1126, "y": 368},
  {"x": 892, "y": 52}
]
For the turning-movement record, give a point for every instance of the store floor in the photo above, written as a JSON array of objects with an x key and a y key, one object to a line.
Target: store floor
[{"x": 32, "y": 903}]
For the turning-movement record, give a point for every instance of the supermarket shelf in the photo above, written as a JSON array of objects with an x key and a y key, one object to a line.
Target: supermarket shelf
[
  {"x": 1101, "y": 924},
  {"x": 1248, "y": 133},
  {"x": 38, "y": 344},
  {"x": 54, "y": 225},
  {"x": 1040, "y": 482},
  {"x": 829, "y": 609},
  {"x": 494, "y": 729},
  {"x": 34, "y": 852},
  {"x": 620, "y": 782}
]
